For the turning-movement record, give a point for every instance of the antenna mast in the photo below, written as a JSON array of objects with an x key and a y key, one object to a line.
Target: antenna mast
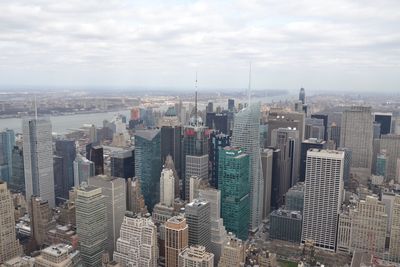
[
  {"x": 195, "y": 102},
  {"x": 35, "y": 109}
]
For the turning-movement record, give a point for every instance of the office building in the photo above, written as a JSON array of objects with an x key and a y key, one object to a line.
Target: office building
[
  {"x": 233, "y": 252},
  {"x": 123, "y": 163},
  {"x": 66, "y": 152},
  {"x": 302, "y": 96},
  {"x": 218, "y": 121},
  {"x": 94, "y": 153},
  {"x": 314, "y": 128},
  {"x": 322, "y": 197},
  {"x": 217, "y": 141},
  {"x": 171, "y": 144},
  {"x": 176, "y": 239},
  {"x": 235, "y": 188},
  {"x": 148, "y": 164},
  {"x": 285, "y": 225},
  {"x": 198, "y": 218},
  {"x": 381, "y": 164},
  {"x": 218, "y": 232},
  {"x": 277, "y": 169},
  {"x": 391, "y": 145},
  {"x": 368, "y": 226},
  {"x": 231, "y": 105},
  {"x": 394, "y": 245},
  {"x": 83, "y": 169},
  {"x": 385, "y": 120},
  {"x": 9, "y": 245},
  {"x": 137, "y": 244},
  {"x": 287, "y": 141},
  {"x": 196, "y": 256},
  {"x": 17, "y": 181},
  {"x": 167, "y": 187},
  {"x": 195, "y": 144},
  {"x": 7, "y": 142},
  {"x": 135, "y": 200},
  {"x": 196, "y": 166},
  {"x": 334, "y": 134},
  {"x": 38, "y": 159},
  {"x": 91, "y": 224},
  {"x": 376, "y": 130},
  {"x": 41, "y": 220},
  {"x": 266, "y": 164},
  {"x": 357, "y": 135},
  {"x": 324, "y": 118},
  {"x": 347, "y": 164},
  {"x": 58, "y": 255},
  {"x": 294, "y": 198},
  {"x": 305, "y": 146},
  {"x": 114, "y": 192},
  {"x": 246, "y": 135}
]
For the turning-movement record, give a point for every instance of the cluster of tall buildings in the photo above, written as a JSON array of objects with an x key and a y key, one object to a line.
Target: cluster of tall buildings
[{"x": 193, "y": 193}]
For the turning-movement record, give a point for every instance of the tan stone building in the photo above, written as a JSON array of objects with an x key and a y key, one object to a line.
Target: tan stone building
[{"x": 176, "y": 239}]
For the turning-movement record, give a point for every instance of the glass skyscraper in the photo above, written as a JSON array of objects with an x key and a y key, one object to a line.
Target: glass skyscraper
[
  {"x": 7, "y": 142},
  {"x": 233, "y": 169},
  {"x": 148, "y": 164},
  {"x": 246, "y": 135}
]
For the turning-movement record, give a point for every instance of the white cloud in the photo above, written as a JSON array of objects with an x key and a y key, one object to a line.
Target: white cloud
[{"x": 162, "y": 43}]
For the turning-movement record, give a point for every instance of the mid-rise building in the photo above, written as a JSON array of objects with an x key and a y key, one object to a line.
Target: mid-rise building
[
  {"x": 196, "y": 256},
  {"x": 176, "y": 239},
  {"x": 148, "y": 164},
  {"x": 198, "y": 218},
  {"x": 246, "y": 135},
  {"x": 137, "y": 244},
  {"x": 285, "y": 225},
  {"x": 41, "y": 219},
  {"x": 294, "y": 198},
  {"x": 38, "y": 159},
  {"x": 135, "y": 200},
  {"x": 91, "y": 224},
  {"x": 9, "y": 245},
  {"x": 357, "y": 135},
  {"x": 267, "y": 163},
  {"x": 235, "y": 188},
  {"x": 59, "y": 255},
  {"x": 322, "y": 197},
  {"x": 394, "y": 246},
  {"x": 232, "y": 252},
  {"x": 114, "y": 191}
]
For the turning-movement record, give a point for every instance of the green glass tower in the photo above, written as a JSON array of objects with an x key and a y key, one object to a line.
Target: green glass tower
[{"x": 233, "y": 181}]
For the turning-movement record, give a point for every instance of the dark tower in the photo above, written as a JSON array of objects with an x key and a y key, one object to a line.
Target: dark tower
[{"x": 302, "y": 96}]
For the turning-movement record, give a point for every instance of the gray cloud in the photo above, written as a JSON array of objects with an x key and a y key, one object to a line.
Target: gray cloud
[{"x": 316, "y": 44}]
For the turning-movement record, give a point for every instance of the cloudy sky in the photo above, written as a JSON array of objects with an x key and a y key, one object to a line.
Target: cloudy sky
[{"x": 320, "y": 45}]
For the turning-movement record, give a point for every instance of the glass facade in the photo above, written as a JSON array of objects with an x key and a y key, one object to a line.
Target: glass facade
[{"x": 234, "y": 184}]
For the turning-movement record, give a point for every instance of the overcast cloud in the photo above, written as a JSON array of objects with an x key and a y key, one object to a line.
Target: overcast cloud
[{"x": 325, "y": 45}]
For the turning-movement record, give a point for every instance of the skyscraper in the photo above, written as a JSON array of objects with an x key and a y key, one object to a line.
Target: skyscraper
[
  {"x": 41, "y": 220},
  {"x": 17, "y": 181},
  {"x": 9, "y": 245},
  {"x": 394, "y": 251},
  {"x": 65, "y": 149},
  {"x": 322, "y": 197},
  {"x": 231, "y": 105},
  {"x": 305, "y": 146},
  {"x": 391, "y": 144},
  {"x": 385, "y": 120},
  {"x": 7, "y": 142},
  {"x": 235, "y": 188},
  {"x": 246, "y": 135},
  {"x": 114, "y": 191},
  {"x": 135, "y": 200},
  {"x": 324, "y": 118},
  {"x": 217, "y": 141},
  {"x": 94, "y": 153},
  {"x": 198, "y": 218},
  {"x": 302, "y": 96},
  {"x": 196, "y": 166},
  {"x": 91, "y": 224},
  {"x": 137, "y": 244},
  {"x": 38, "y": 159},
  {"x": 83, "y": 169},
  {"x": 123, "y": 163},
  {"x": 176, "y": 239},
  {"x": 171, "y": 144},
  {"x": 167, "y": 187},
  {"x": 148, "y": 164},
  {"x": 196, "y": 256},
  {"x": 233, "y": 252},
  {"x": 266, "y": 163},
  {"x": 357, "y": 135}
]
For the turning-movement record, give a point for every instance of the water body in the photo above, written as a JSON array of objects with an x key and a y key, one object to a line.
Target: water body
[{"x": 65, "y": 123}]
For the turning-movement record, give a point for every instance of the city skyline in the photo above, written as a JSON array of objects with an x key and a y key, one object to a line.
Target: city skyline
[{"x": 338, "y": 45}]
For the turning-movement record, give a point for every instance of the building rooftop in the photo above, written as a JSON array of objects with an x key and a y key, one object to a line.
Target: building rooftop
[{"x": 147, "y": 134}]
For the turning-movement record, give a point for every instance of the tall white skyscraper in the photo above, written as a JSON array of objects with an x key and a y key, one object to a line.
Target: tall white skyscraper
[
  {"x": 246, "y": 135},
  {"x": 167, "y": 187},
  {"x": 357, "y": 135},
  {"x": 137, "y": 246},
  {"x": 38, "y": 159},
  {"x": 322, "y": 197}
]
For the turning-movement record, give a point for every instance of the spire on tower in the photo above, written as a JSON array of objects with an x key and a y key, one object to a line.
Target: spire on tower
[
  {"x": 36, "y": 113},
  {"x": 249, "y": 88}
]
